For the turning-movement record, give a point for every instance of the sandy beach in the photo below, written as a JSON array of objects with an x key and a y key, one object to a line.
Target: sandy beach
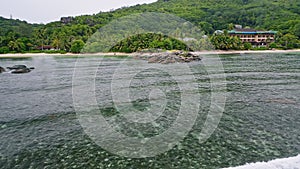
[
  {"x": 26, "y": 55},
  {"x": 218, "y": 52},
  {"x": 221, "y": 52}
]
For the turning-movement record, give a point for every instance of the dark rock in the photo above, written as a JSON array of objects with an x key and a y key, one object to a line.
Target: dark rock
[
  {"x": 168, "y": 57},
  {"x": 20, "y": 71},
  {"x": 2, "y": 69},
  {"x": 17, "y": 67}
]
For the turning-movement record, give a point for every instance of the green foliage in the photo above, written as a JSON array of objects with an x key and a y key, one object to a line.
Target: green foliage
[
  {"x": 148, "y": 41},
  {"x": 231, "y": 26},
  {"x": 77, "y": 46},
  {"x": 4, "y": 50},
  {"x": 206, "y": 27},
  {"x": 273, "y": 45},
  {"x": 247, "y": 46},
  {"x": 296, "y": 30},
  {"x": 17, "y": 46},
  {"x": 225, "y": 42},
  {"x": 289, "y": 41},
  {"x": 22, "y": 28},
  {"x": 260, "y": 48}
]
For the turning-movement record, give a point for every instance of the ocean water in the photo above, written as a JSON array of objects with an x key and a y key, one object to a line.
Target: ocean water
[{"x": 39, "y": 127}]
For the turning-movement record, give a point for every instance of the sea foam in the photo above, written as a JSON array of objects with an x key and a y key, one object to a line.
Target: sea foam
[{"x": 286, "y": 163}]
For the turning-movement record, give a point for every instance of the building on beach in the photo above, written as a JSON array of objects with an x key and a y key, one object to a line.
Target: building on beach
[
  {"x": 256, "y": 37},
  {"x": 45, "y": 47}
]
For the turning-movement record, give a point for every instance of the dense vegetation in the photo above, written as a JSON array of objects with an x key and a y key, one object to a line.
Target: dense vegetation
[
  {"x": 148, "y": 41},
  {"x": 209, "y": 15}
]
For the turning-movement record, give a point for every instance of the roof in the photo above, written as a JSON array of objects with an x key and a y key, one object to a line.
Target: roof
[
  {"x": 219, "y": 32},
  {"x": 250, "y": 31},
  {"x": 45, "y": 47},
  {"x": 245, "y": 30}
]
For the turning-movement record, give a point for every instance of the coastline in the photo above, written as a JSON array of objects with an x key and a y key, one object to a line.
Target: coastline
[
  {"x": 224, "y": 52},
  {"x": 215, "y": 52},
  {"x": 29, "y": 55}
]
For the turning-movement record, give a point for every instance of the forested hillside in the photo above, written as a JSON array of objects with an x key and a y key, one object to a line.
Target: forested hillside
[
  {"x": 21, "y": 27},
  {"x": 210, "y": 15}
]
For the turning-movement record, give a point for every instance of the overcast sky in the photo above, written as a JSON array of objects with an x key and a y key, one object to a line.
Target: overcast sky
[{"x": 41, "y": 11}]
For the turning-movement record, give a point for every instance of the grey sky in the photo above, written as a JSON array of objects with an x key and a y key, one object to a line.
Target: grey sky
[{"x": 41, "y": 11}]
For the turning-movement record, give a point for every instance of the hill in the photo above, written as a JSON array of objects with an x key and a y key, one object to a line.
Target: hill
[
  {"x": 22, "y": 28},
  {"x": 215, "y": 14},
  {"x": 210, "y": 15}
]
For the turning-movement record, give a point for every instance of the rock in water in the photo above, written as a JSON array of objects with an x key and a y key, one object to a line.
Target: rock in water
[
  {"x": 2, "y": 69},
  {"x": 18, "y": 69},
  {"x": 168, "y": 57}
]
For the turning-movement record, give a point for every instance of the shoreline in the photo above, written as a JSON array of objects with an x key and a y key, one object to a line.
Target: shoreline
[
  {"x": 29, "y": 55},
  {"x": 215, "y": 52},
  {"x": 222, "y": 52}
]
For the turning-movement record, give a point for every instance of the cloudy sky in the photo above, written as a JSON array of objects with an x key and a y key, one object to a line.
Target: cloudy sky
[{"x": 41, "y": 11}]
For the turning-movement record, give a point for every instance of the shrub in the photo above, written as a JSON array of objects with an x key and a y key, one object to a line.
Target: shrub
[
  {"x": 247, "y": 46},
  {"x": 273, "y": 45},
  {"x": 77, "y": 46},
  {"x": 4, "y": 50}
]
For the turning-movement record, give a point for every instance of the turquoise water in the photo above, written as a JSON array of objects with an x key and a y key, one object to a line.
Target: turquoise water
[{"x": 39, "y": 127}]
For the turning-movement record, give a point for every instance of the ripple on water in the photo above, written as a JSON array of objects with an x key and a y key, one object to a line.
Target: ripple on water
[{"x": 39, "y": 128}]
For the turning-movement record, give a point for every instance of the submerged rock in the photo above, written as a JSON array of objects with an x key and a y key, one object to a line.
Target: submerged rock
[{"x": 168, "y": 57}]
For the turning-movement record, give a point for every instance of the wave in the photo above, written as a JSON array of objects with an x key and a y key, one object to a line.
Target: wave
[{"x": 285, "y": 163}]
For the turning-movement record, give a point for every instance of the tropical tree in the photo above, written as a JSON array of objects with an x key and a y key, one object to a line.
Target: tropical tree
[
  {"x": 273, "y": 45},
  {"x": 4, "y": 49},
  {"x": 225, "y": 42},
  {"x": 39, "y": 37},
  {"x": 230, "y": 26},
  {"x": 56, "y": 43},
  {"x": 16, "y": 46},
  {"x": 296, "y": 30},
  {"x": 77, "y": 46},
  {"x": 289, "y": 41},
  {"x": 206, "y": 27},
  {"x": 247, "y": 46}
]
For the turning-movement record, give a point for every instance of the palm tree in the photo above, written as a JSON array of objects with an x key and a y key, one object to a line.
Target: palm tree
[
  {"x": 17, "y": 46},
  {"x": 231, "y": 26},
  {"x": 56, "y": 43},
  {"x": 39, "y": 36}
]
